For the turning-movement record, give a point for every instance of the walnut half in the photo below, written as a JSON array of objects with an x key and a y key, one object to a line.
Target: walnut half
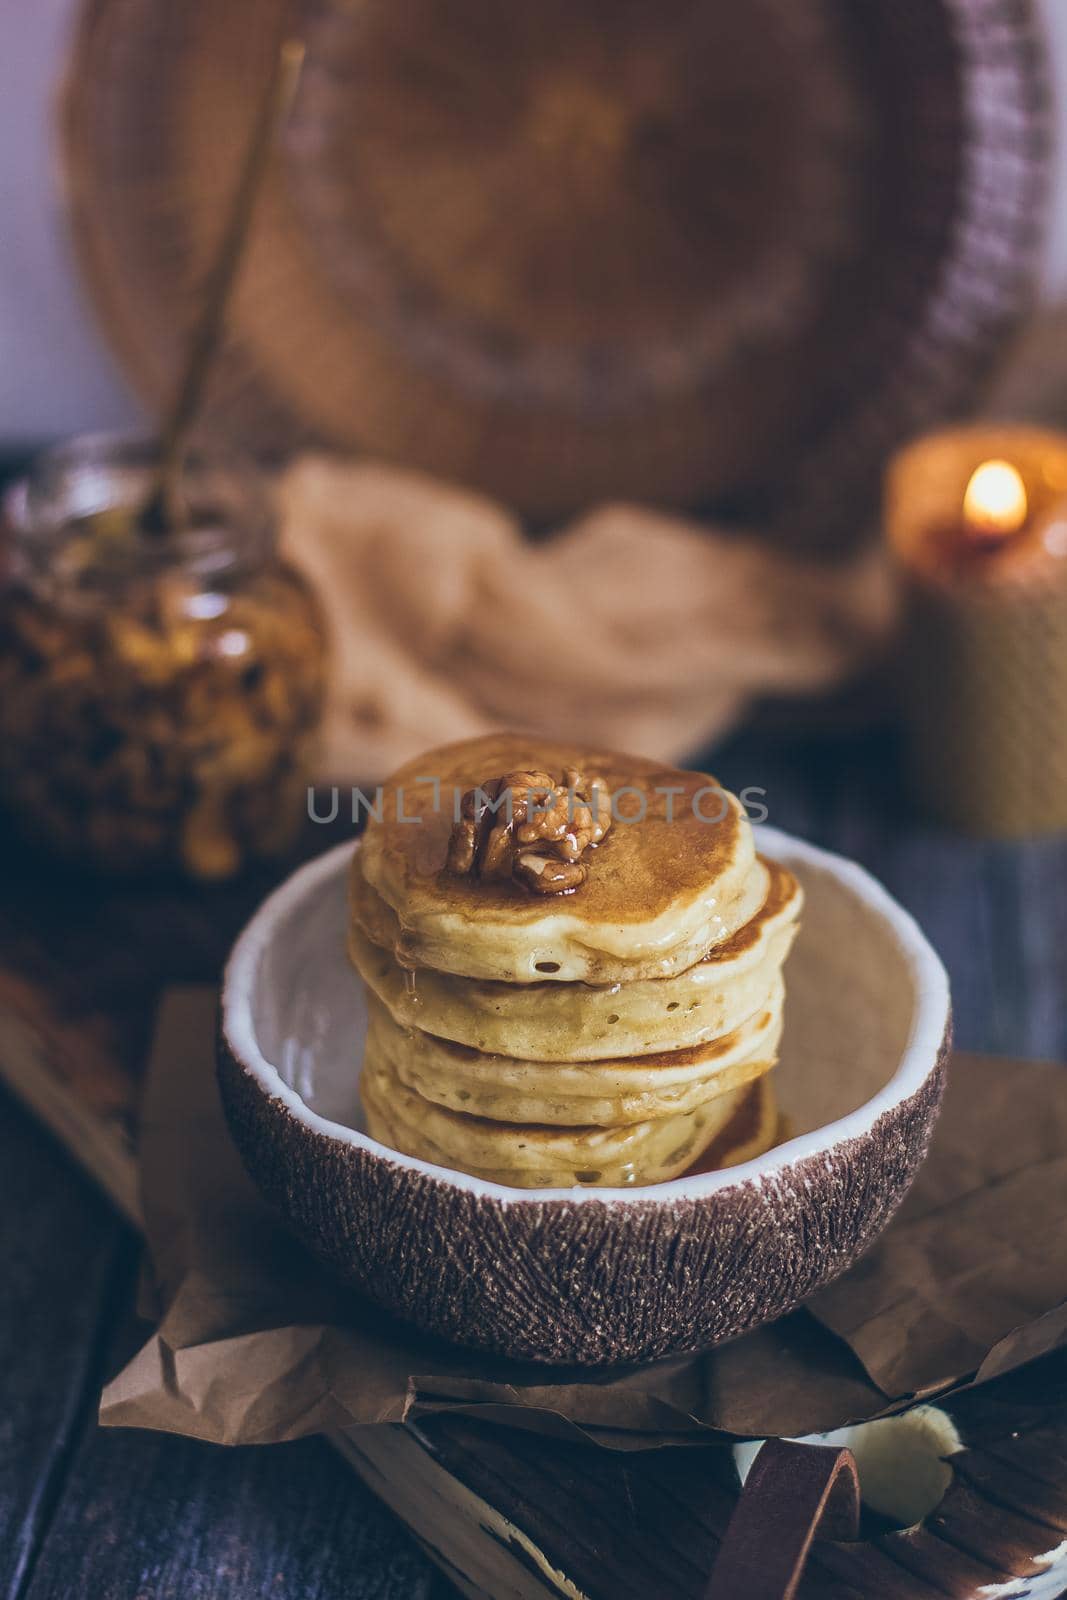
[{"x": 526, "y": 826}]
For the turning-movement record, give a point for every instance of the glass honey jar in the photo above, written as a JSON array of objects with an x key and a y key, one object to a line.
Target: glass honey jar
[{"x": 159, "y": 691}]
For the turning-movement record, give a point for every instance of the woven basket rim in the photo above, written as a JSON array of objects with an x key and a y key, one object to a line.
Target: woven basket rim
[{"x": 985, "y": 282}]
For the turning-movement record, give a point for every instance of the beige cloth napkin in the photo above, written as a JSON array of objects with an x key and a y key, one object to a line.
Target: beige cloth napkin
[{"x": 627, "y": 628}]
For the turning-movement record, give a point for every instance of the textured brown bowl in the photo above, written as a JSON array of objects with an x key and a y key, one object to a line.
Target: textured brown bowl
[{"x": 594, "y": 1275}]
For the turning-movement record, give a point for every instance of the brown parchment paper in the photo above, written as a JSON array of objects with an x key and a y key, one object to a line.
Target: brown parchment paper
[{"x": 255, "y": 1343}]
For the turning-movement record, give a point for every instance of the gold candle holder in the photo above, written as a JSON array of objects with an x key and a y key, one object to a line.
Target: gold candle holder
[{"x": 977, "y": 521}]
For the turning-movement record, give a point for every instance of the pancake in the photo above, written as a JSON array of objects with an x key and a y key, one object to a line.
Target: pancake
[
  {"x": 600, "y": 1093},
  {"x": 675, "y": 876},
  {"x": 557, "y": 999},
  {"x": 581, "y": 1022},
  {"x": 756, "y": 1126},
  {"x": 534, "y": 1157}
]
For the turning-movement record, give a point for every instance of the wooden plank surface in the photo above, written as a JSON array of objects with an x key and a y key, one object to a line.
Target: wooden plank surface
[
  {"x": 109, "y": 1515},
  {"x": 118, "y": 1515},
  {"x": 64, "y": 1257},
  {"x": 553, "y": 1519},
  {"x": 167, "y": 1518}
]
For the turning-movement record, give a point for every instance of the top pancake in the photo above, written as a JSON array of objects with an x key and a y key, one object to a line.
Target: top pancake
[{"x": 675, "y": 876}]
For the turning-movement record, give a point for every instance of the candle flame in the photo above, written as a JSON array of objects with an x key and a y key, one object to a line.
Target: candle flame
[{"x": 995, "y": 503}]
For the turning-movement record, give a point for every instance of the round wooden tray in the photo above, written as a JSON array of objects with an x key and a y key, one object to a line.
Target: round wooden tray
[{"x": 701, "y": 254}]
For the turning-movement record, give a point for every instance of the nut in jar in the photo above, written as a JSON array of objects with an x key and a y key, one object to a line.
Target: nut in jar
[{"x": 159, "y": 693}]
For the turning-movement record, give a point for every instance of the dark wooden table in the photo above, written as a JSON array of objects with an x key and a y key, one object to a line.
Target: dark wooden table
[{"x": 114, "y": 1516}]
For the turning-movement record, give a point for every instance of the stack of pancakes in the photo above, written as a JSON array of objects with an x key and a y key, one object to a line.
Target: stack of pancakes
[{"x": 622, "y": 1033}]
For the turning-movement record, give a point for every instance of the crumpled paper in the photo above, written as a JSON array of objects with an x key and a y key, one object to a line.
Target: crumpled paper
[
  {"x": 256, "y": 1343},
  {"x": 628, "y": 628}
]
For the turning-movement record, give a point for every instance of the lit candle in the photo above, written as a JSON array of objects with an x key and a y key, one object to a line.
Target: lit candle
[
  {"x": 977, "y": 520},
  {"x": 995, "y": 503}
]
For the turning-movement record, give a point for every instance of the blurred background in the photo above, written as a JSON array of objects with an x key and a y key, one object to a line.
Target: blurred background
[
  {"x": 637, "y": 374},
  {"x": 59, "y": 374}
]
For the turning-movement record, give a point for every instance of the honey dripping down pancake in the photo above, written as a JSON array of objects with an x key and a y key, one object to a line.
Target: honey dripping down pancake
[
  {"x": 531, "y": 1156},
  {"x": 599, "y": 1093},
  {"x": 574, "y": 961},
  {"x": 550, "y": 1021}
]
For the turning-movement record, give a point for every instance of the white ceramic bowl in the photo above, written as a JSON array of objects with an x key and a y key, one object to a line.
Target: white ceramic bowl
[{"x": 594, "y": 1275}]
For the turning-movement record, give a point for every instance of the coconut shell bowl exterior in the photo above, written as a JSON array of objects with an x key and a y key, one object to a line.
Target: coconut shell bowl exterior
[{"x": 592, "y": 1276}]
